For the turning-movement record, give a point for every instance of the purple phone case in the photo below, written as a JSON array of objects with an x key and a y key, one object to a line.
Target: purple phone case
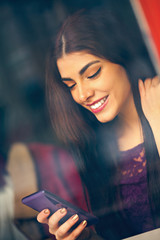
[{"x": 44, "y": 199}]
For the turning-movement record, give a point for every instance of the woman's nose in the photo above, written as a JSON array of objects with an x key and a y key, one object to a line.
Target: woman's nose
[{"x": 84, "y": 93}]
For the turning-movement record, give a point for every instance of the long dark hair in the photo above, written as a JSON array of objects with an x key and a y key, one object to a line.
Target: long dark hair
[{"x": 101, "y": 34}]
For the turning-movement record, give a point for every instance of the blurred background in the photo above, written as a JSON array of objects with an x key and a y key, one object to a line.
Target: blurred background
[{"x": 26, "y": 30}]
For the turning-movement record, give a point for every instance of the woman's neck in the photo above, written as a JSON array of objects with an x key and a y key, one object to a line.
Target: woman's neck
[{"x": 129, "y": 130}]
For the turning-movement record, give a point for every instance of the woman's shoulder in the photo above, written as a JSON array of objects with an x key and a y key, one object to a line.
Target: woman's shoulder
[{"x": 133, "y": 150}]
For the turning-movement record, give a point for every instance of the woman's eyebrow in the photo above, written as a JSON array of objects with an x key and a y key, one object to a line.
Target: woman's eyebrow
[
  {"x": 82, "y": 70},
  {"x": 66, "y": 79},
  {"x": 87, "y": 66}
]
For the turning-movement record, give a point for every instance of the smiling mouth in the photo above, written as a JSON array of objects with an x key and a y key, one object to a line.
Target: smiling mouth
[{"x": 98, "y": 106}]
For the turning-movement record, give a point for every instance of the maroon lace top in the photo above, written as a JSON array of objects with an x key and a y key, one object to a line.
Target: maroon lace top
[{"x": 134, "y": 192}]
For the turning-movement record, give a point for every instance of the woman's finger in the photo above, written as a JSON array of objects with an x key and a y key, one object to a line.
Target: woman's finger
[
  {"x": 42, "y": 217},
  {"x": 53, "y": 221},
  {"x": 155, "y": 81},
  {"x": 79, "y": 230},
  {"x": 141, "y": 88},
  {"x": 63, "y": 230}
]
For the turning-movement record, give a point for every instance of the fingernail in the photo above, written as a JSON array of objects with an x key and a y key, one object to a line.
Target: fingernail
[
  {"x": 62, "y": 210},
  {"x": 75, "y": 217},
  {"x": 46, "y": 211},
  {"x": 84, "y": 223}
]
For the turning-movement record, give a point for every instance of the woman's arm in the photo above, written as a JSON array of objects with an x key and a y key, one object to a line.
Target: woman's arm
[{"x": 150, "y": 100}]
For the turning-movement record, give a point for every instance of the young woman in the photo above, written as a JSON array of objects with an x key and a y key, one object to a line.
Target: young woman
[{"x": 109, "y": 116}]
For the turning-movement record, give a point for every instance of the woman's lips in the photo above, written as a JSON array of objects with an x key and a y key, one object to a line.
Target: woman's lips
[{"x": 98, "y": 105}]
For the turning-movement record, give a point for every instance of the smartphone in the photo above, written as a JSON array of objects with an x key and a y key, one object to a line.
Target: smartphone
[{"x": 43, "y": 199}]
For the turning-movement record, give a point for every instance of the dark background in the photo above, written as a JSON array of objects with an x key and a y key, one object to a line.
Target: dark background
[{"x": 26, "y": 30}]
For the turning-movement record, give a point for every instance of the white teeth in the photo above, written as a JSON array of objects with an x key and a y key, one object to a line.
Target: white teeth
[{"x": 98, "y": 104}]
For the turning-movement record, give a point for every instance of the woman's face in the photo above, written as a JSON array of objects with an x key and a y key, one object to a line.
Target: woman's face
[{"x": 96, "y": 84}]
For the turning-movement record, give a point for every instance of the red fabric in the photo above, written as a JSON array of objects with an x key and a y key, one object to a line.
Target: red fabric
[
  {"x": 151, "y": 10},
  {"x": 57, "y": 173}
]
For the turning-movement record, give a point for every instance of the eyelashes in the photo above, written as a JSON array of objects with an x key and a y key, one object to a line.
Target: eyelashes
[
  {"x": 95, "y": 74},
  {"x": 70, "y": 87},
  {"x": 89, "y": 77}
]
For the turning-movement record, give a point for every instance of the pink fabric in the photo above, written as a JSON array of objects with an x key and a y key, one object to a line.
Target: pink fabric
[{"x": 2, "y": 170}]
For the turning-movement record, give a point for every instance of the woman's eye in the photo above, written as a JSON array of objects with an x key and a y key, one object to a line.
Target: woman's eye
[
  {"x": 69, "y": 86},
  {"x": 95, "y": 74}
]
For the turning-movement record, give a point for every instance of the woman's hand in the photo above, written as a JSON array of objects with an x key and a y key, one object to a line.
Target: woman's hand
[
  {"x": 63, "y": 231},
  {"x": 150, "y": 98}
]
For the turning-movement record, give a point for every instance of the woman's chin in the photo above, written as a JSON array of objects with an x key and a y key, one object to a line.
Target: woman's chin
[{"x": 104, "y": 120}]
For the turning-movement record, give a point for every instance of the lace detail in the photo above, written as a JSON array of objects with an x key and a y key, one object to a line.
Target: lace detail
[
  {"x": 139, "y": 163},
  {"x": 133, "y": 187},
  {"x": 132, "y": 165}
]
